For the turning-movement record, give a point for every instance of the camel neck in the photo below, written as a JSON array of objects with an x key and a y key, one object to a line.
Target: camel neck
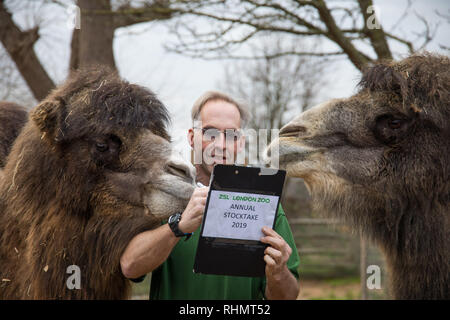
[{"x": 420, "y": 264}]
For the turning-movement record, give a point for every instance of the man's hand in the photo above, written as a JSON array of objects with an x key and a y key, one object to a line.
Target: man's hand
[
  {"x": 147, "y": 250},
  {"x": 276, "y": 254},
  {"x": 281, "y": 283},
  {"x": 193, "y": 214}
]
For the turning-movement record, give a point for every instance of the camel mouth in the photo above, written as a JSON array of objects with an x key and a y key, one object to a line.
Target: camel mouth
[
  {"x": 178, "y": 179},
  {"x": 291, "y": 131},
  {"x": 288, "y": 150},
  {"x": 181, "y": 190},
  {"x": 168, "y": 197},
  {"x": 294, "y": 157},
  {"x": 180, "y": 174}
]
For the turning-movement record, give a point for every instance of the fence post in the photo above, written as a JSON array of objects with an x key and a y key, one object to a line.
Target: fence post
[{"x": 363, "y": 266}]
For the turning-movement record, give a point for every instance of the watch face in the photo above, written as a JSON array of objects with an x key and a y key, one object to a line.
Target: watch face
[{"x": 174, "y": 217}]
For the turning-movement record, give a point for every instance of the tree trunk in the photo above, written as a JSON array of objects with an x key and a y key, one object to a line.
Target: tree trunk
[
  {"x": 74, "y": 62},
  {"x": 96, "y": 35},
  {"x": 376, "y": 34},
  {"x": 335, "y": 34},
  {"x": 92, "y": 44},
  {"x": 19, "y": 45}
]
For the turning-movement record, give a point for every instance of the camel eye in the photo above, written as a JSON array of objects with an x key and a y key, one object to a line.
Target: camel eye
[
  {"x": 391, "y": 129},
  {"x": 395, "y": 123},
  {"x": 105, "y": 150},
  {"x": 102, "y": 147}
]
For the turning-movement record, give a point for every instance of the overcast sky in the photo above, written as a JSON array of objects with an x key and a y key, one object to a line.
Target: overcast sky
[{"x": 179, "y": 80}]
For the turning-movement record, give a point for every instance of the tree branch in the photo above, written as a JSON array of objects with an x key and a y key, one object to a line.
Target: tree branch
[
  {"x": 376, "y": 34},
  {"x": 405, "y": 42},
  {"x": 127, "y": 15},
  {"x": 266, "y": 56},
  {"x": 340, "y": 23},
  {"x": 335, "y": 34},
  {"x": 19, "y": 45}
]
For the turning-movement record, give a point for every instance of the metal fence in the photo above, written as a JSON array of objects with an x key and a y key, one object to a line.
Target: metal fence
[{"x": 328, "y": 249}]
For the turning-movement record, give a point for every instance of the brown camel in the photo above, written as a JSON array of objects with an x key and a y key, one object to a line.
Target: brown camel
[
  {"x": 12, "y": 118},
  {"x": 380, "y": 160},
  {"x": 91, "y": 169}
]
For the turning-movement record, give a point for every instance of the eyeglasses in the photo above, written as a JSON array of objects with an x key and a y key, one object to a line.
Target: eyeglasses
[{"x": 211, "y": 133}]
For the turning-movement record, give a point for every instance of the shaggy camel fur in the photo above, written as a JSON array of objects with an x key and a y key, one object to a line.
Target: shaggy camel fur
[
  {"x": 380, "y": 160},
  {"x": 12, "y": 118},
  {"x": 91, "y": 169}
]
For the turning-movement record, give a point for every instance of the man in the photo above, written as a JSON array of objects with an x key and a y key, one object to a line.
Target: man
[{"x": 171, "y": 260}]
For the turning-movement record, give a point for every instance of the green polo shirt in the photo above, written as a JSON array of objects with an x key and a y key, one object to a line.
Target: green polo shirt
[{"x": 175, "y": 278}]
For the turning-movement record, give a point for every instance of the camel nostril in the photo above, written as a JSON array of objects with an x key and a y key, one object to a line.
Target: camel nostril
[
  {"x": 180, "y": 169},
  {"x": 292, "y": 131}
]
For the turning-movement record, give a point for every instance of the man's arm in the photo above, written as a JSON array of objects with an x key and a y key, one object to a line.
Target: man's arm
[
  {"x": 146, "y": 251},
  {"x": 281, "y": 283},
  {"x": 149, "y": 249}
]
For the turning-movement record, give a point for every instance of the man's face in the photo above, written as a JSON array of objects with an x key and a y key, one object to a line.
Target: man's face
[{"x": 217, "y": 117}]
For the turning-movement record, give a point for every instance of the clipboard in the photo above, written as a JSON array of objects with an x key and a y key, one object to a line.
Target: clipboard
[{"x": 233, "y": 250}]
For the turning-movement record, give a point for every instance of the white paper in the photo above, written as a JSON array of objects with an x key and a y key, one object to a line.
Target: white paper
[{"x": 237, "y": 215}]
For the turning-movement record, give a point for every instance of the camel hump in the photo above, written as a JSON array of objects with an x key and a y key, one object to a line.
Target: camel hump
[{"x": 12, "y": 119}]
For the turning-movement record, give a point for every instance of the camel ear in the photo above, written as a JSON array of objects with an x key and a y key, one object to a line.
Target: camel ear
[{"x": 47, "y": 116}]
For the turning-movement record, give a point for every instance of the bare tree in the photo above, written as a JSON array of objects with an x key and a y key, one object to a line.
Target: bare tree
[
  {"x": 19, "y": 45},
  {"x": 275, "y": 87},
  {"x": 446, "y": 19},
  {"x": 351, "y": 27},
  {"x": 91, "y": 44}
]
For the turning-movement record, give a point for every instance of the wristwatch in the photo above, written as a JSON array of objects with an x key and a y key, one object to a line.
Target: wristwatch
[{"x": 173, "y": 224}]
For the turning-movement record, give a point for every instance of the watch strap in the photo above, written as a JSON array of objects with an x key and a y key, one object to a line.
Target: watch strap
[{"x": 173, "y": 224}]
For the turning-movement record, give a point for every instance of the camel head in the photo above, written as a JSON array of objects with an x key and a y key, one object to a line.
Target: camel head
[
  {"x": 112, "y": 135},
  {"x": 380, "y": 159},
  {"x": 92, "y": 168}
]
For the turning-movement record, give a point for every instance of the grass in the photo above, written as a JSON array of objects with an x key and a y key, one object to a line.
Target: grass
[
  {"x": 141, "y": 290},
  {"x": 331, "y": 289},
  {"x": 341, "y": 288}
]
